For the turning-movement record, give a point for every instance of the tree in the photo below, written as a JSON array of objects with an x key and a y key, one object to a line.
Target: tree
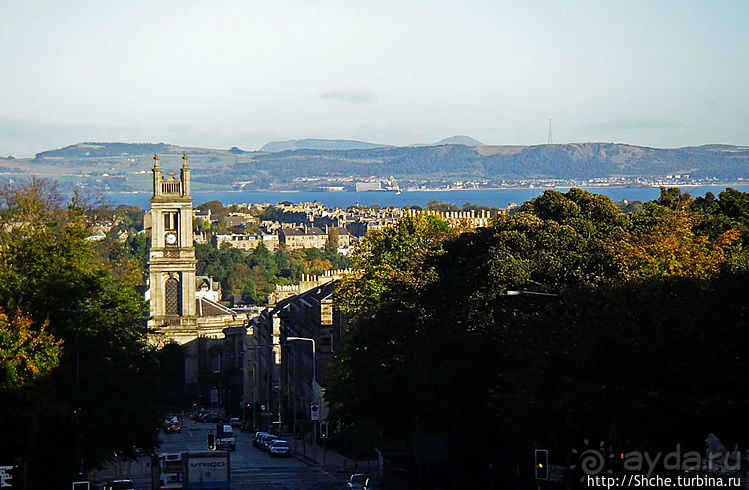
[
  {"x": 642, "y": 312},
  {"x": 73, "y": 308},
  {"x": 441, "y": 206},
  {"x": 375, "y": 389},
  {"x": 27, "y": 352},
  {"x": 216, "y": 207},
  {"x": 332, "y": 242}
]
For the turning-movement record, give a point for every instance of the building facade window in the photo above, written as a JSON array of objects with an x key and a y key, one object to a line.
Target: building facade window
[{"x": 216, "y": 361}]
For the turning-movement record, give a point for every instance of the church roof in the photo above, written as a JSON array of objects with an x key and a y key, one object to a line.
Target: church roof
[{"x": 207, "y": 307}]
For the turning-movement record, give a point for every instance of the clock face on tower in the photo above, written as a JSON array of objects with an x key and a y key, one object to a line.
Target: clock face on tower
[{"x": 170, "y": 239}]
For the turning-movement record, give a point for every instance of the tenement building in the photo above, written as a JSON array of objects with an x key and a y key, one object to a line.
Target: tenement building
[{"x": 295, "y": 339}]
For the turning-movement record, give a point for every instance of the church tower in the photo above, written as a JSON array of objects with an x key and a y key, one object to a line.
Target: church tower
[{"x": 172, "y": 258}]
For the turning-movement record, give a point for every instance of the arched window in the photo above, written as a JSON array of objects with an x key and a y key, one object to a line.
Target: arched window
[{"x": 172, "y": 297}]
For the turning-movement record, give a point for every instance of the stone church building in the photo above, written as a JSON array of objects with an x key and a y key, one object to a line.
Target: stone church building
[{"x": 203, "y": 344}]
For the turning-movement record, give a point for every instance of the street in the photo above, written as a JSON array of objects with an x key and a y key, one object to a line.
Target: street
[{"x": 251, "y": 468}]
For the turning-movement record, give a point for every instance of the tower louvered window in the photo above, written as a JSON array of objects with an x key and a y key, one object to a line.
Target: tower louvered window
[{"x": 172, "y": 297}]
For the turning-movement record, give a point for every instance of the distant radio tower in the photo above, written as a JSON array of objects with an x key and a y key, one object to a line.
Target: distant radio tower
[{"x": 551, "y": 141}]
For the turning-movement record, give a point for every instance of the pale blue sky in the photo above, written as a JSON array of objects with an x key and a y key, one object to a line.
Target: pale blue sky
[{"x": 660, "y": 73}]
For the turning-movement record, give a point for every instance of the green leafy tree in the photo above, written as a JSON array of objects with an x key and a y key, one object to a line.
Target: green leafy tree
[
  {"x": 380, "y": 301},
  {"x": 441, "y": 206},
  {"x": 640, "y": 313},
  {"x": 332, "y": 242},
  {"x": 91, "y": 316},
  {"x": 216, "y": 207}
]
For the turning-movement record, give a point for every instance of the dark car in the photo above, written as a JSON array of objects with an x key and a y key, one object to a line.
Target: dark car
[
  {"x": 172, "y": 425},
  {"x": 199, "y": 413},
  {"x": 257, "y": 438},
  {"x": 119, "y": 485},
  {"x": 266, "y": 441},
  {"x": 246, "y": 426},
  {"x": 210, "y": 417}
]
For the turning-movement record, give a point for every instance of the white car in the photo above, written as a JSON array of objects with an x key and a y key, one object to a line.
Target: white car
[
  {"x": 357, "y": 481},
  {"x": 279, "y": 447},
  {"x": 226, "y": 439}
]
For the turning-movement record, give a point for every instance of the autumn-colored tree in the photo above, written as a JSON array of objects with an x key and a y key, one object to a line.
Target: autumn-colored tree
[
  {"x": 26, "y": 352},
  {"x": 636, "y": 337},
  {"x": 665, "y": 242},
  {"x": 69, "y": 310}
]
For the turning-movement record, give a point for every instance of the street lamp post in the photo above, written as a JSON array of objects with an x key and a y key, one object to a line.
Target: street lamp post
[
  {"x": 538, "y": 293},
  {"x": 566, "y": 343},
  {"x": 78, "y": 457}
]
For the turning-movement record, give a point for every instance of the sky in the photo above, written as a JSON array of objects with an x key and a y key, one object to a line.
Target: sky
[{"x": 225, "y": 73}]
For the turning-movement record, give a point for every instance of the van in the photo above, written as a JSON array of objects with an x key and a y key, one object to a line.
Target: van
[{"x": 226, "y": 439}]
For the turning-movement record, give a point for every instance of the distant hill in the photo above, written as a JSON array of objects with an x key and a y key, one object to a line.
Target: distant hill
[
  {"x": 317, "y": 144},
  {"x": 459, "y": 140},
  {"x": 126, "y": 164},
  {"x": 93, "y": 150},
  {"x": 567, "y": 161}
]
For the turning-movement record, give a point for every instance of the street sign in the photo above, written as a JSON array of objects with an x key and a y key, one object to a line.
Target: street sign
[
  {"x": 314, "y": 411},
  {"x": 556, "y": 472}
]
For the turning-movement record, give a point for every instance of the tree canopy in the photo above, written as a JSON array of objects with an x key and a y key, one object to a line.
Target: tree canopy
[
  {"x": 255, "y": 274},
  {"x": 67, "y": 308},
  {"x": 638, "y": 336}
]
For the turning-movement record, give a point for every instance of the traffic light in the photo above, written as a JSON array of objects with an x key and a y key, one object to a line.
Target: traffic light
[
  {"x": 211, "y": 441},
  {"x": 542, "y": 464},
  {"x": 323, "y": 430}
]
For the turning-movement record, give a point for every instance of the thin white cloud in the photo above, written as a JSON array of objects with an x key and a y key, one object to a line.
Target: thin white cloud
[{"x": 349, "y": 96}]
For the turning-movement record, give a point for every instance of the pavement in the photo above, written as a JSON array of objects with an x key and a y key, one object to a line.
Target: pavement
[{"x": 334, "y": 462}]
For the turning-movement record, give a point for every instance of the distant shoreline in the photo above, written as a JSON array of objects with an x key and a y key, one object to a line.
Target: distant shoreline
[
  {"x": 467, "y": 189},
  {"x": 499, "y": 198}
]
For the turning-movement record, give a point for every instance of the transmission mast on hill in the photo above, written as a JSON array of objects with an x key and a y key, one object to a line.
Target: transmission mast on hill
[{"x": 551, "y": 141}]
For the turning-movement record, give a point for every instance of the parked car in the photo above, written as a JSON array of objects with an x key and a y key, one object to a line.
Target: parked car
[
  {"x": 279, "y": 447},
  {"x": 266, "y": 441},
  {"x": 119, "y": 485},
  {"x": 357, "y": 481},
  {"x": 199, "y": 413},
  {"x": 257, "y": 438}
]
